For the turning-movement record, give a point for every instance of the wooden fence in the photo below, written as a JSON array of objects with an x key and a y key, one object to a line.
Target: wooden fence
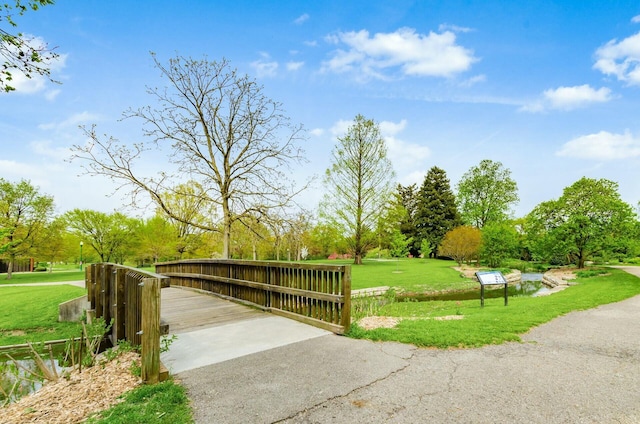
[
  {"x": 130, "y": 300},
  {"x": 315, "y": 294}
]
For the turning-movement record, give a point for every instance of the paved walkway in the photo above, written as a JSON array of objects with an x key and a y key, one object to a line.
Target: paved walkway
[{"x": 583, "y": 367}]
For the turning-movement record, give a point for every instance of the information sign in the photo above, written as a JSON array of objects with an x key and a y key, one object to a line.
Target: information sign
[{"x": 491, "y": 278}]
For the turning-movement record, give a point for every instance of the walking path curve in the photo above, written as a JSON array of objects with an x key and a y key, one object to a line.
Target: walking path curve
[{"x": 583, "y": 367}]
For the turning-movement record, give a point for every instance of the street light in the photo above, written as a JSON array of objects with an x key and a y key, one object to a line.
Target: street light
[{"x": 81, "y": 243}]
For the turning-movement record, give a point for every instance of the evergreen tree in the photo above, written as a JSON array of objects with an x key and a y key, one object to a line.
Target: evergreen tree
[
  {"x": 407, "y": 197},
  {"x": 436, "y": 211}
]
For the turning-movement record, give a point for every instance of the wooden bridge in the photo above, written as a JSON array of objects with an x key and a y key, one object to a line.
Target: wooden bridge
[{"x": 318, "y": 295}]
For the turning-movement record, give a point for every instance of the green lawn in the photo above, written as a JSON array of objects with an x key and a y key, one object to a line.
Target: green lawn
[
  {"x": 30, "y": 313},
  {"x": 43, "y": 277},
  {"x": 495, "y": 323},
  {"x": 411, "y": 275}
]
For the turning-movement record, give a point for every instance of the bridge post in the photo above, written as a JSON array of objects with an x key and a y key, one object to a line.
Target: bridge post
[{"x": 150, "y": 330}]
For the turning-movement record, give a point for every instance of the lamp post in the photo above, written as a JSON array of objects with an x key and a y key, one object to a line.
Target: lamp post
[{"x": 81, "y": 243}]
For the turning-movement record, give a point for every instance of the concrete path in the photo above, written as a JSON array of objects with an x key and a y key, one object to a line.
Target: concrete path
[{"x": 583, "y": 367}]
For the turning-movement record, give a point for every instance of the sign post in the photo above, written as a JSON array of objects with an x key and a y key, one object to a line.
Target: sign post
[{"x": 491, "y": 278}]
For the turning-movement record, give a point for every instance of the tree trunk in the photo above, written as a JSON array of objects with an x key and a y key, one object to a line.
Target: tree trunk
[{"x": 10, "y": 269}]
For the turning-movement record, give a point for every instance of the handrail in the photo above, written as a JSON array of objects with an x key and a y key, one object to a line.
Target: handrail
[
  {"x": 129, "y": 299},
  {"x": 317, "y": 294}
]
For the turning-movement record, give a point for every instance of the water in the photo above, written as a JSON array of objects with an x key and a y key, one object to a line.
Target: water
[
  {"x": 18, "y": 380},
  {"x": 531, "y": 285}
]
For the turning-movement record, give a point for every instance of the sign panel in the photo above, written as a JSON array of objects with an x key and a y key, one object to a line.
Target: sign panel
[
  {"x": 488, "y": 278},
  {"x": 492, "y": 278}
]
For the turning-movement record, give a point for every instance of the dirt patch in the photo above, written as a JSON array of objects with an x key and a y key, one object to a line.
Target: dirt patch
[
  {"x": 562, "y": 273},
  {"x": 71, "y": 400},
  {"x": 371, "y": 323},
  {"x": 467, "y": 271}
]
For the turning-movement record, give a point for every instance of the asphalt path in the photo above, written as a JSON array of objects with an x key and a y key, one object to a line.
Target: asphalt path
[{"x": 583, "y": 367}]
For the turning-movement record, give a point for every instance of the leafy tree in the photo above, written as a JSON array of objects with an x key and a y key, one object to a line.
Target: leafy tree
[
  {"x": 189, "y": 207},
  {"x": 393, "y": 218},
  {"x": 24, "y": 213},
  {"x": 51, "y": 245},
  {"x": 26, "y": 56},
  {"x": 359, "y": 183},
  {"x": 588, "y": 219},
  {"x": 112, "y": 236},
  {"x": 326, "y": 239},
  {"x": 222, "y": 132},
  {"x": 486, "y": 194},
  {"x": 157, "y": 240},
  {"x": 425, "y": 248},
  {"x": 499, "y": 242},
  {"x": 399, "y": 244},
  {"x": 461, "y": 244},
  {"x": 407, "y": 198},
  {"x": 436, "y": 211}
]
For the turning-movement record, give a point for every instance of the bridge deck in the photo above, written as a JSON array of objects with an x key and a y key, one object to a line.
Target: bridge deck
[{"x": 188, "y": 310}]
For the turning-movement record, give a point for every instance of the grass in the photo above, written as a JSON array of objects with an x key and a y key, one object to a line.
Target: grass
[
  {"x": 56, "y": 276},
  {"x": 165, "y": 402},
  {"x": 411, "y": 275},
  {"x": 495, "y": 323},
  {"x": 30, "y": 313}
]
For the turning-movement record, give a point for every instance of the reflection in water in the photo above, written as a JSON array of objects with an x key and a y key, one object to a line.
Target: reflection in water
[{"x": 531, "y": 285}]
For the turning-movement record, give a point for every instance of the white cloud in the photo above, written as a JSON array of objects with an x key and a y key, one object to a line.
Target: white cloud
[
  {"x": 301, "y": 19},
  {"x": 602, "y": 146},
  {"x": 340, "y": 128},
  {"x": 405, "y": 156},
  {"x": 316, "y": 132},
  {"x": 311, "y": 43},
  {"x": 454, "y": 28},
  {"x": 635, "y": 19},
  {"x": 36, "y": 83},
  {"x": 72, "y": 122},
  {"x": 294, "y": 66},
  {"x": 265, "y": 67},
  {"x": 620, "y": 59},
  {"x": 473, "y": 81},
  {"x": 46, "y": 149},
  {"x": 432, "y": 55},
  {"x": 568, "y": 98}
]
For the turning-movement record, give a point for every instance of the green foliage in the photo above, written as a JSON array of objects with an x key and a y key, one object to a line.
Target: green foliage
[
  {"x": 358, "y": 183},
  {"x": 486, "y": 194},
  {"x": 436, "y": 211},
  {"x": 21, "y": 54},
  {"x": 24, "y": 214},
  {"x": 499, "y": 242},
  {"x": 112, "y": 236},
  {"x": 164, "y": 402},
  {"x": 462, "y": 244},
  {"x": 399, "y": 245},
  {"x": 593, "y": 272},
  {"x": 425, "y": 248},
  {"x": 495, "y": 323},
  {"x": 589, "y": 219}
]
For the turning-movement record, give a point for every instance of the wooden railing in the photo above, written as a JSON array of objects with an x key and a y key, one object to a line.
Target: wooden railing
[
  {"x": 130, "y": 300},
  {"x": 315, "y": 294}
]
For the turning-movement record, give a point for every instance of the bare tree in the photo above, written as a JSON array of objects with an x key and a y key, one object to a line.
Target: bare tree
[{"x": 223, "y": 133}]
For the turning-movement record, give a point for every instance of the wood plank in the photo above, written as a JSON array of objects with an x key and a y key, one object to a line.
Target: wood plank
[{"x": 187, "y": 310}]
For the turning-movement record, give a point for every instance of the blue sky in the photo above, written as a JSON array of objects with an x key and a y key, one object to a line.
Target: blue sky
[{"x": 550, "y": 89}]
